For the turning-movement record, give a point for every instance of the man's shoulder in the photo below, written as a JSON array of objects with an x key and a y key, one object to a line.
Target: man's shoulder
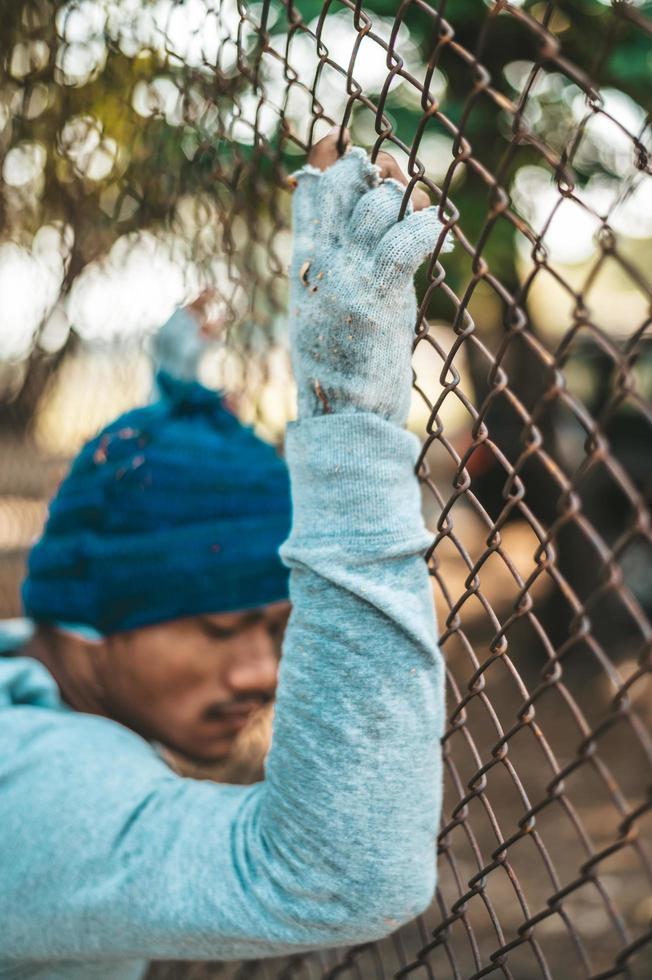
[
  {"x": 23, "y": 680},
  {"x": 14, "y": 634},
  {"x": 39, "y": 731},
  {"x": 31, "y": 709},
  {"x": 59, "y": 765}
]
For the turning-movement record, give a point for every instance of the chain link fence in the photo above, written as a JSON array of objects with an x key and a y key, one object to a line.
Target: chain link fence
[{"x": 145, "y": 148}]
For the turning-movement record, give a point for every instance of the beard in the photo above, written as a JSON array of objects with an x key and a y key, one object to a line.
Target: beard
[{"x": 244, "y": 763}]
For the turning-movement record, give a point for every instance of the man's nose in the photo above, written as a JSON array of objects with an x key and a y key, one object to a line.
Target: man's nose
[{"x": 253, "y": 672}]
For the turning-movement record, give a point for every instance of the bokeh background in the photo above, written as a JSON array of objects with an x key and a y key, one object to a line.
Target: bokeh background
[{"x": 144, "y": 153}]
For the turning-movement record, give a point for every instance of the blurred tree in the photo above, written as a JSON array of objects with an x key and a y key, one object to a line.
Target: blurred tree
[
  {"x": 123, "y": 136},
  {"x": 120, "y": 117}
]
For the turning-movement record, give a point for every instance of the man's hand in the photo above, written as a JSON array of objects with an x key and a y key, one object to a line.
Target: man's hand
[
  {"x": 352, "y": 301},
  {"x": 180, "y": 343}
]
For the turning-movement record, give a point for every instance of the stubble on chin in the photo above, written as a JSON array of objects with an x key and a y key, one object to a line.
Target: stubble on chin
[{"x": 243, "y": 764}]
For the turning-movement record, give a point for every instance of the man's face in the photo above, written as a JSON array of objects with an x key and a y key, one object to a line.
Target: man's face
[{"x": 193, "y": 683}]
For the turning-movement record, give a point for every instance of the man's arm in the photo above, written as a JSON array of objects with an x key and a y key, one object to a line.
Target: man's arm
[{"x": 112, "y": 855}]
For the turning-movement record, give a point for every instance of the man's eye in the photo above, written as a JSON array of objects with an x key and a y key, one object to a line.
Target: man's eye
[
  {"x": 219, "y": 632},
  {"x": 277, "y": 627}
]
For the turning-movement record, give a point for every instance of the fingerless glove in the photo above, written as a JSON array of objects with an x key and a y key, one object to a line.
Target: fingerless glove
[{"x": 352, "y": 300}]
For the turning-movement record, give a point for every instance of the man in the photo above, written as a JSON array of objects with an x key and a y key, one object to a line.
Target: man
[{"x": 155, "y": 627}]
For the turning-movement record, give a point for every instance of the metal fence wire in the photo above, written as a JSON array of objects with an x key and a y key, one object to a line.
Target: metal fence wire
[{"x": 145, "y": 149}]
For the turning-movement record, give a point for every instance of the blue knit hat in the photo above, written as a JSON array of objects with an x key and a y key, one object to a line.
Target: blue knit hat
[{"x": 174, "y": 510}]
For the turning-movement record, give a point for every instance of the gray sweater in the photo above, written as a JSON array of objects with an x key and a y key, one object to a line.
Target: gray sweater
[{"x": 108, "y": 859}]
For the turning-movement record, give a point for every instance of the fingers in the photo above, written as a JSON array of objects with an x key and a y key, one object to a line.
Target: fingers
[
  {"x": 389, "y": 168},
  {"x": 207, "y": 296},
  {"x": 333, "y": 189},
  {"x": 376, "y": 212},
  {"x": 344, "y": 177},
  {"x": 324, "y": 199},
  {"x": 307, "y": 209},
  {"x": 410, "y": 241},
  {"x": 343, "y": 185},
  {"x": 326, "y": 152}
]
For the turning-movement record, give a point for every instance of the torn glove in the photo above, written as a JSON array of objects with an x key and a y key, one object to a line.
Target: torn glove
[{"x": 353, "y": 305}]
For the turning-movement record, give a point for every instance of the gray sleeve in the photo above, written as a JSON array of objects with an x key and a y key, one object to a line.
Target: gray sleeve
[{"x": 111, "y": 855}]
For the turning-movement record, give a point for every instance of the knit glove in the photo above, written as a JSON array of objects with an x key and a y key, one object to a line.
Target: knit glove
[
  {"x": 353, "y": 306},
  {"x": 178, "y": 346}
]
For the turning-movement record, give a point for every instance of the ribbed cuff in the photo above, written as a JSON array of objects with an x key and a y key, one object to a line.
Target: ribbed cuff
[{"x": 353, "y": 476}]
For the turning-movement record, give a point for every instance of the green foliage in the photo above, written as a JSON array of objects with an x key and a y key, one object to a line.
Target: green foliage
[{"x": 169, "y": 152}]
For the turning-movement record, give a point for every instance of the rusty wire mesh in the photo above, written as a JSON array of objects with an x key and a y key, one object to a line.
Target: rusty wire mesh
[{"x": 158, "y": 136}]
